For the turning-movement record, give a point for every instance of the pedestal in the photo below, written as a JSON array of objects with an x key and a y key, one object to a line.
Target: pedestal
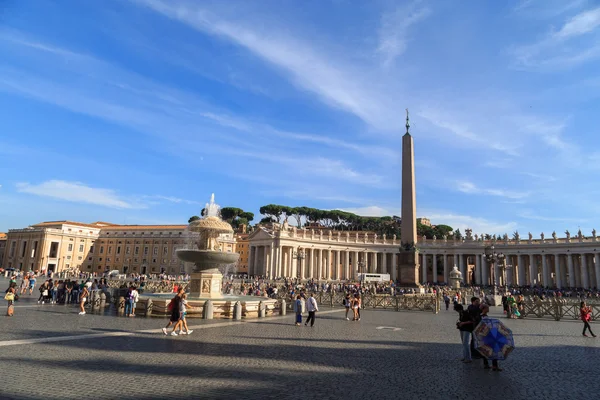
[
  {"x": 408, "y": 269},
  {"x": 206, "y": 284}
]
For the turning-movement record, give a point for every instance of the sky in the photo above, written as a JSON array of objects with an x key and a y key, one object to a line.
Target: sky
[{"x": 135, "y": 111}]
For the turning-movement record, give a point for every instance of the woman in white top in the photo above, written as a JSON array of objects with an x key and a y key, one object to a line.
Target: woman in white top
[{"x": 182, "y": 323}]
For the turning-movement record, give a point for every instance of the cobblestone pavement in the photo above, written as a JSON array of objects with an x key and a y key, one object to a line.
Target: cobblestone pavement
[{"x": 272, "y": 358}]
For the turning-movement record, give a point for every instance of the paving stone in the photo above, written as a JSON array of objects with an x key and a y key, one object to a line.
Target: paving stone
[{"x": 272, "y": 358}]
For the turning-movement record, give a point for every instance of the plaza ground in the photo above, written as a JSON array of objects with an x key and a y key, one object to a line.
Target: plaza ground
[{"x": 50, "y": 352}]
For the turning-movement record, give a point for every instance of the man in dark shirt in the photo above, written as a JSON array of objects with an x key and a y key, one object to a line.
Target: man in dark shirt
[{"x": 475, "y": 311}]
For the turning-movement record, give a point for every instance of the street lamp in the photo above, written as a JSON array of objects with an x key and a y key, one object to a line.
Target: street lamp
[
  {"x": 492, "y": 258},
  {"x": 298, "y": 255},
  {"x": 361, "y": 268}
]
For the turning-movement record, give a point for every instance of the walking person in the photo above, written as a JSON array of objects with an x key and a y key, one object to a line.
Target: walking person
[
  {"x": 174, "y": 308},
  {"x": 586, "y": 315},
  {"x": 82, "y": 299},
  {"x": 10, "y": 296},
  {"x": 298, "y": 309},
  {"x": 312, "y": 307},
  {"x": 182, "y": 323},
  {"x": 136, "y": 298}
]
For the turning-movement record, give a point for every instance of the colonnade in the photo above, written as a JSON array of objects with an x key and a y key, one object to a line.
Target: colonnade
[
  {"x": 320, "y": 263},
  {"x": 560, "y": 269},
  {"x": 569, "y": 269}
]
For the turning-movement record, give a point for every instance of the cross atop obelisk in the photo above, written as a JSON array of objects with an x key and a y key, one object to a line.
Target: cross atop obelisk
[{"x": 408, "y": 233}]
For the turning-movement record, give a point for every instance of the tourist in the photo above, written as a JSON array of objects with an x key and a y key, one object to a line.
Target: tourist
[
  {"x": 44, "y": 292},
  {"x": 10, "y": 296},
  {"x": 174, "y": 308},
  {"x": 136, "y": 298},
  {"x": 486, "y": 364},
  {"x": 447, "y": 301},
  {"x": 312, "y": 307},
  {"x": 129, "y": 301},
  {"x": 356, "y": 307},
  {"x": 475, "y": 311},
  {"x": 24, "y": 283},
  {"x": 586, "y": 315},
  {"x": 82, "y": 299},
  {"x": 347, "y": 303},
  {"x": 298, "y": 309},
  {"x": 465, "y": 326},
  {"x": 182, "y": 323},
  {"x": 31, "y": 283}
]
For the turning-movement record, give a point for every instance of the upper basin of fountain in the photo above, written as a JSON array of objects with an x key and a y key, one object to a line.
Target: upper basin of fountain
[{"x": 212, "y": 223}]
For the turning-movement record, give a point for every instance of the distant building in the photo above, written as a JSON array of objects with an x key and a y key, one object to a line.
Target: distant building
[
  {"x": 2, "y": 248},
  {"x": 424, "y": 221},
  {"x": 242, "y": 246},
  {"x": 51, "y": 246},
  {"x": 98, "y": 247}
]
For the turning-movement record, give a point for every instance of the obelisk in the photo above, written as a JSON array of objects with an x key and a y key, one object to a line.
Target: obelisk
[{"x": 409, "y": 261}]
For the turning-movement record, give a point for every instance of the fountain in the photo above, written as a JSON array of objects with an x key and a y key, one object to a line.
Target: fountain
[
  {"x": 205, "y": 298},
  {"x": 207, "y": 254}
]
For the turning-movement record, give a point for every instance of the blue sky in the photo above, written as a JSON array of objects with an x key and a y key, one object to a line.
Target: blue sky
[{"x": 136, "y": 111}]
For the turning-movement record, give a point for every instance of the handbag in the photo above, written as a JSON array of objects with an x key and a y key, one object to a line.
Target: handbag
[
  {"x": 45, "y": 293},
  {"x": 9, "y": 296}
]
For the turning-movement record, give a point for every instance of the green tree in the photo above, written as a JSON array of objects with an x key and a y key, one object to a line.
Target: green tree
[
  {"x": 272, "y": 210},
  {"x": 229, "y": 214},
  {"x": 247, "y": 215},
  {"x": 457, "y": 234},
  {"x": 441, "y": 230},
  {"x": 193, "y": 218}
]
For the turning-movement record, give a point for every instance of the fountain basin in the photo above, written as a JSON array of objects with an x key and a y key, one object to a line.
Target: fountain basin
[
  {"x": 206, "y": 259},
  {"x": 223, "y": 308}
]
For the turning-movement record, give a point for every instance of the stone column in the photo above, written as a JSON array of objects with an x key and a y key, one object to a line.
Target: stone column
[
  {"x": 355, "y": 266},
  {"x": 477, "y": 269},
  {"x": 521, "y": 271},
  {"x": 577, "y": 267},
  {"x": 434, "y": 267},
  {"x": 346, "y": 265},
  {"x": 375, "y": 262},
  {"x": 462, "y": 268},
  {"x": 263, "y": 268},
  {"x": 294, "y": 262},
  {"x": 255, "y": 265},
  {"x": 496, "y": 273},
  {"x": 597, "y": 269},
  {"x": 485, "y": 272},
  {"x": 545, "y": 272},
  {"x": 394, "y": 274},
  {"x": 270, "y": 266},
  {"x": 571, "y": 270},
  {"x": 251, "y": 261},
  {"x": 584, "y": 272},
  {"x": 338, "y": 265},
  {"x": 532, "y": 270},
  {"x": 557, "y": 273},
  {"x": 424, "y": 272},
  {"x": 384, "y": 263},
  {"x": 446, "y": 272},
  {"x": 319, "y": 256}
]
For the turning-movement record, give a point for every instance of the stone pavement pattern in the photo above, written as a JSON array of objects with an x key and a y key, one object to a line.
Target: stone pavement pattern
[{"x": 336, "y": 359}]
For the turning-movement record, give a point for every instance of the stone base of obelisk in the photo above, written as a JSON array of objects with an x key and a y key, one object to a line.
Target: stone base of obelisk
[
  {"x": 206, "y": 284},
  {"x": 408, "y": 269}
]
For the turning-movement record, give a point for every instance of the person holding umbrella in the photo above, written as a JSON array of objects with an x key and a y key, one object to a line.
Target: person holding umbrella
[{"x": 493, "y": 340}]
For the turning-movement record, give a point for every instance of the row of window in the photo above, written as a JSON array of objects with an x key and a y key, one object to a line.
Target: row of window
[{"x": 143, "y": 233}]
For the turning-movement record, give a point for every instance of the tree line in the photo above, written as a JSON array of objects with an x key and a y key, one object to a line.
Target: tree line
[
  {"x": 347, "y": 221},
  {"x": 233, "y": 215}
]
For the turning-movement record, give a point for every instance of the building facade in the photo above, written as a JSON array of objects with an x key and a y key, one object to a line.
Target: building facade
[
  {"x": 2, "y": 248},
  {"x": 337, "y": 255},
  {"x": 242, "y": 246},
  {"x": 100, "y": 246},
  {"x": 51, "y": 246}
]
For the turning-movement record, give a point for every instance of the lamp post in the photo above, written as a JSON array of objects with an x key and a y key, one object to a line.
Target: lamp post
[
  {"x": 298, "y": 255},
  {"x": 361, "y": 268},
  {"x": 492, "y": 258}
]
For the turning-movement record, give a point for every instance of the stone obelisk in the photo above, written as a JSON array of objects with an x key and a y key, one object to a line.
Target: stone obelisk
[{"x": 409, "y": 261}]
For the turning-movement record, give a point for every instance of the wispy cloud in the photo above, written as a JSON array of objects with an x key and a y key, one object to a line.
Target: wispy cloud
[
  {"x": 335, "y": 82},
  {"x": 575, "y": 43},
  {"x": 471, "y": 188},
  {"x": 370, "y": 211},
  {"x": 537, "y": 217},
  {"x": 462, "y": 222},
  {"x": 171, "y": 199},
  {"x": 76, "y": 192},
  {"x": 394, "y": 30}
]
